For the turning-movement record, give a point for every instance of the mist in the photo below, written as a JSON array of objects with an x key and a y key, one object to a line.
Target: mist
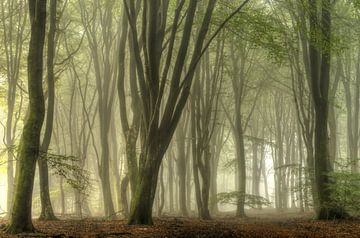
[{"x": 180, "y": 116}]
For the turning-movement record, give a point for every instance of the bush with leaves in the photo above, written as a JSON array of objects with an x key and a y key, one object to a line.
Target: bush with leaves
[{"x": 345, "y": 191}]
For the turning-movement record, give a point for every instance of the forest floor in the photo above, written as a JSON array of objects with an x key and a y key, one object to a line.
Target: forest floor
[{"x": 258, "y": 224}]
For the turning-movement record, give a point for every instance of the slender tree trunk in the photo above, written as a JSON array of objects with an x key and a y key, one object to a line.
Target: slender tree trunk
[
  {"x": 300, "y": 171},
  {"x": 188, "y": 179},
  {"x": 263, "y": 172},
  {"x": 124, "y": 200},
  {"x": 213, "y": 186},
  {"x": 62, "y": 197},
  {"x": 47, "y": 212},
  {"x": 241, "y": 166},
  {"x": 10, "y": 161},
  {"x": 171, "y": 183},
  {"x": 181, "y": 169},
  {"x": 161, "y": 192}
]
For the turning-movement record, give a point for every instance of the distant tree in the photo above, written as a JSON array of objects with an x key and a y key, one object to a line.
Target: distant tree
[
  {"x": 204, "y": 103},
  {"x": 13, "y": 24},
  {"x": 98, "y": 26}
]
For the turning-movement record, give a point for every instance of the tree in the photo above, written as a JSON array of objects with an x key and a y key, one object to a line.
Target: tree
[
  {"x": 14, "y": 31},
  {"x": 320, "y": 57},
  {"x": 47, "y": 212},
  {"x": 130, "y": 129},
  {"x": 240, "y": 56},
  {"x": 204, "y": 119},
  {"x": 101, "y": 49},
  {"x": 29, "y": 149},
  {"x": 158, "y": 126},
  {"x": 182, "y": 160}
]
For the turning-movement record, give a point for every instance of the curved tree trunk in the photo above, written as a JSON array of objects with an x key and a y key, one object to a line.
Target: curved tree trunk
[{"x": 20, "y": 220}]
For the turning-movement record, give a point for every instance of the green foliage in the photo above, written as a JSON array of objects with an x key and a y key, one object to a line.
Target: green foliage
[
  {"x": 257, "y": 27},
  {"x": 356, "y": 4},
  {"x": 345, "y": 191},
  {"x": 251, "y": 200}
]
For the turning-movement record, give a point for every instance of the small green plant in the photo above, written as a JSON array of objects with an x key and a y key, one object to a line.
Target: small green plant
[{"x": 345, "y": 191}]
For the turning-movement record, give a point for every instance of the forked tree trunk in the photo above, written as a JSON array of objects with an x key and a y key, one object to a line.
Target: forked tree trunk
[{"x": 158, "y": 126}]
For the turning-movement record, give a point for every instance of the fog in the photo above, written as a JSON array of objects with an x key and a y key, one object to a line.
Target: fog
[{"x": 140, "y": 112}]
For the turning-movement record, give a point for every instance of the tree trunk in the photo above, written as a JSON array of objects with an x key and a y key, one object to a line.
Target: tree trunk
[
  {"x": 158, "y": 126},
  {"x": 300, "y": 171},
  {"x": 161, "y": 192},
  {"x": 47, "y": 212},
  {"x": 213, "y": 186},
  {"x": 241, "y": 166},
  {"x": 320, "y": 78},
  {"x": 171, "y": 183},
  {"x": 105, "y": 177},
  {"x": 181, "y": 169},
  {"x": 143, "y": 199},
  {"x": 124, "y": 200},
  {"x": 62, "y": 197},
  {"x": 10, "y": 162},
  {"x": 13, "y": 22},
  {"x": 20, "y": 220}
]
